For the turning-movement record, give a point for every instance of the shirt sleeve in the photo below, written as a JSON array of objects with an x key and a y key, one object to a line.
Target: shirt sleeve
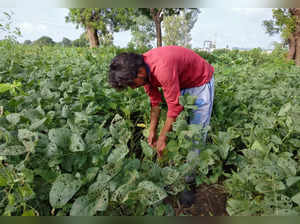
[
  {"x": 154, "y": 94},
  {"x": 171, "y": 88}
]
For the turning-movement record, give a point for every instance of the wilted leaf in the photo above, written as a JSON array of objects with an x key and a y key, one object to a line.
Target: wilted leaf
[
  {"x": 77, "y": 143},
  {"x": 169, "y": 175},
  {"x": 63, "y": 189},
  {"x": 12, "y": 150},
  {"x": 13, "y": 118}
]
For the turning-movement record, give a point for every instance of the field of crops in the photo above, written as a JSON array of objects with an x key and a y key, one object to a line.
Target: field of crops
[{"x": 71, "y": 145}]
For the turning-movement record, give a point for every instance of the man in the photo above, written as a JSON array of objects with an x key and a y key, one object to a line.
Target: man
[{"x": 178, "y": 71}]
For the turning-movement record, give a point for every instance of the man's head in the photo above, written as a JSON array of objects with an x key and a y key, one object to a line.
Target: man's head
[{"x": 127, "y": 70}]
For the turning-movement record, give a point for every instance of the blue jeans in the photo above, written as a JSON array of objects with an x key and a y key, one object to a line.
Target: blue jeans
[{"x": 204, "y": 102}]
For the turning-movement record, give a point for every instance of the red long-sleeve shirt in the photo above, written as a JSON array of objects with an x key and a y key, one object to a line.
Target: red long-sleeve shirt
[{"x": 174, "y": 68}]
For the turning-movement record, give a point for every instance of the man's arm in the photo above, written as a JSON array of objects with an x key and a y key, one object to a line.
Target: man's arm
[{"x": 154, "y": 117}]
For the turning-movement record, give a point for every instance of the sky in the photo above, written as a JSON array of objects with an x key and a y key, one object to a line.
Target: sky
[{"x": 235, "y": 27}]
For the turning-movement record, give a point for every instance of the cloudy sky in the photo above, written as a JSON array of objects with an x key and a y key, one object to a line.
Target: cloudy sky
[{"x": 235, "y": 27}]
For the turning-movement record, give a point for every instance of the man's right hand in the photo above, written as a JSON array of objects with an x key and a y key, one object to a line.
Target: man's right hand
[{"x": 152, "y": 139}]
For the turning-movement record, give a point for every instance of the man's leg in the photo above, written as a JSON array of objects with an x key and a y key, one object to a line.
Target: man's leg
[
  {"x": 201, "y": 116},
  {"x": 204, "y": 103}
]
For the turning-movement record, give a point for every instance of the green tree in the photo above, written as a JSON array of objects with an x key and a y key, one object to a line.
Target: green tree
[
  {"x": 66, "y": 42},
  {"x": 143, "y": 32},
  {"x": 7, "y": 29},
  {"x": 44, "y": 40},
  {"x": 286, "y": 22},
  {"x": 157, "y": 15},
  {"x": 177, "y": 28},
  {"x": 82, "y": 41},
  {"x": 101, "y": 22},
  {"x": 27, "y": 42}
]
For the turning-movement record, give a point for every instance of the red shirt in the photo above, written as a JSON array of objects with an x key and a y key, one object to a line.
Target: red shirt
[{"x": 174, "y": 68}]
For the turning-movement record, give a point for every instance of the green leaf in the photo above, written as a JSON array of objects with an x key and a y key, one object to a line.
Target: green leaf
[
  {"x": 147, "y": 150},
  {"x": 30, "y": 212},
  {"x": 37, "y": 124},
  {"x": 28, "y": 138},
  {"x": 257, "y": 145},
  {"x": 292, "y": 180},
  {"x": 224, "y": 150},
  {"x": 169, "y": 175},
  {"x": 87, "y": 206},
  {"x": 284, "y": 109},
  {"x": 172, "y": 146},
  {"x": 83, "y": 206},
  {"x": 15, "y": 150},
  {"x": 276, "y": 139},
  {"x": 63, "y": 189},
  {"x": 296, "y": 198},
  {"x": 60, "y": 136},
  {"x": 118, "y": 154},
  {"x": 149, "y": 193},
  {"x": 13, "y": 118},
  {"x": 295, "y": 142},
  {"x": 77, "y": 143}
]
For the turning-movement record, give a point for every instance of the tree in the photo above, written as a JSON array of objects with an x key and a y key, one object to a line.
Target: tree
[
  {"x": 101, "y": 21},
  {"x": 66, "y": 42},
  {"x": 177, "y": 28},
  {"x": 157, "y": 15},
  {"x": 143, "y": 32},
  {"x": 44, "y": 40},
  {"x": 7, "y": 29},
  {"x": 82, "y": 41},
  {"x": 27, "y": 42},
  {"x": 286, "y": 22}
]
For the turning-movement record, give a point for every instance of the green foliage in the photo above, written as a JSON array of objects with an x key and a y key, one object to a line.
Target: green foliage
[
  {"x": 82, "y": 41},
  {"x": 143, "y": 33},
  {"x": 44, "y": 41},
  {"x": 104, "y": 20},
  {"x": 183, "y": 22},
  {"x": 71, "y": 145},
  {"x": 283, "y": 22},
  {"x": 7, "y": 28},
  {"x": 66, "y": 42}
]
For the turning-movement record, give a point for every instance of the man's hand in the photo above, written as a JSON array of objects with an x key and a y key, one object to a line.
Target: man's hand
[
  {"x": 161, "y": 145},
  {"x": 152, "y": 139}
]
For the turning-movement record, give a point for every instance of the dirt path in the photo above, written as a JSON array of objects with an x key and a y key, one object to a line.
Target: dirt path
[{"x": 210, "y": 201}]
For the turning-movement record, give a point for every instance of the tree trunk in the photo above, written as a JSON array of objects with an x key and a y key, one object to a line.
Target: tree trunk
[
  {"x": 158, "y": 33},
  {"x": 297, "y": 55},
  {"x": 157, "y": 17},
  {"x": 292, "y": 47},
  {"x": 297, "y": 37},
  {"x": 93, "y": 37}
]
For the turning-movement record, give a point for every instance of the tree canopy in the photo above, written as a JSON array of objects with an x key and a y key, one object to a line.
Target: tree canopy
[{"x": 100, "y": 21}]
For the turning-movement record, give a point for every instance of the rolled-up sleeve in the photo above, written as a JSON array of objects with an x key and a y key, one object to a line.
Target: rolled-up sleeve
[
  {"x": 154, "y": 94},
  {"x": 171, "y": 88}
]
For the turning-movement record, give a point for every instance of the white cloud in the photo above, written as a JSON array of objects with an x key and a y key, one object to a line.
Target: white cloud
[
  {"x": 41, "y": 28},
  {"x": 26, "y": 27},
  {"x": 253, "y": 12}
]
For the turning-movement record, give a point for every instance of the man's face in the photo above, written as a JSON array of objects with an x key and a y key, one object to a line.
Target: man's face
[{"x": 140, "y": 80}]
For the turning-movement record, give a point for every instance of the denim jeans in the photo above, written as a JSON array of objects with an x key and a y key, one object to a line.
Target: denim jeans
[{"x": 204, "y": 102}]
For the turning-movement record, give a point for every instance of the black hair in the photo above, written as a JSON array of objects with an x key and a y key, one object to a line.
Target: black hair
[{"x": 124, "y": 69}]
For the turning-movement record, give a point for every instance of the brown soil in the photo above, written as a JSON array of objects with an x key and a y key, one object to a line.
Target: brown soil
[{"x": 210, "y": 201}]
